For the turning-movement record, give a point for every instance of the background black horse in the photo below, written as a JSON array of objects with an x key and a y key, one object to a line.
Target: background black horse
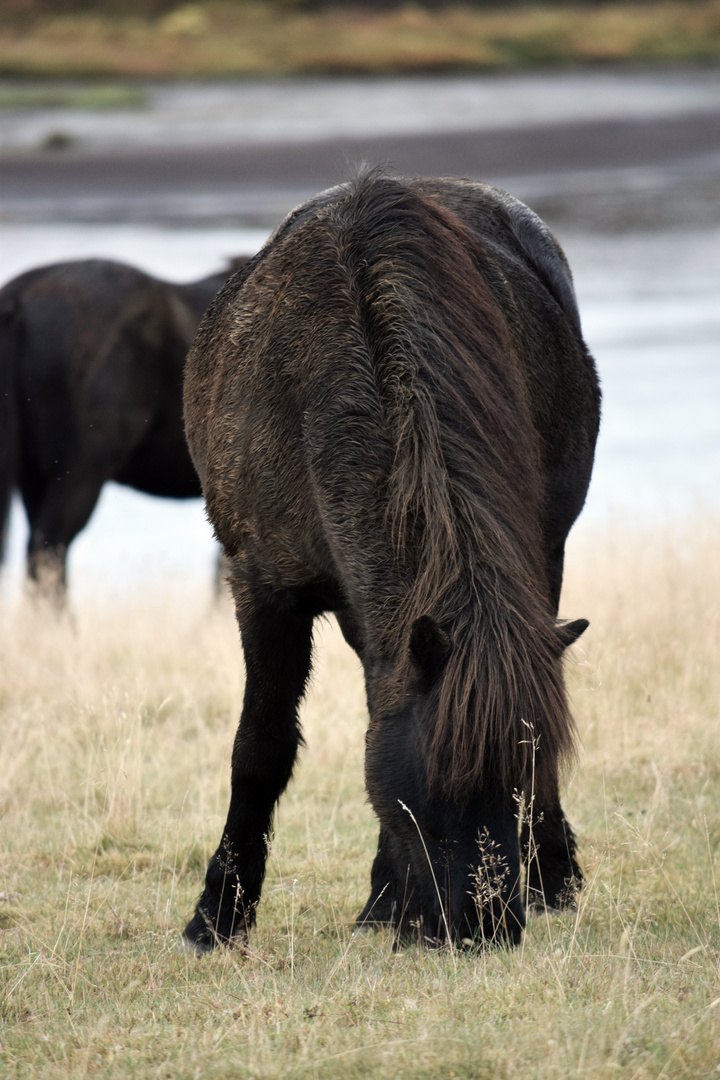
[
  {"x": 394, "y": 415},
  {"x": 91, "y": 361}
]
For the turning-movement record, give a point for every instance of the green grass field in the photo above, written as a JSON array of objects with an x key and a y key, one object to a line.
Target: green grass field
[
  {"x": 114, "y": 768},
  {"x": 212, "y": 38}
]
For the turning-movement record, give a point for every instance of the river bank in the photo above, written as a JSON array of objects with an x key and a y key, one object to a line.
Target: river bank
[{"x": 215, "y": 39}]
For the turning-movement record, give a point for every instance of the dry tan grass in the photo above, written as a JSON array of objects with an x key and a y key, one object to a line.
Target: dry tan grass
[
  {"x": 113, "y": 785},
  {"x": 212, "y": 38}
]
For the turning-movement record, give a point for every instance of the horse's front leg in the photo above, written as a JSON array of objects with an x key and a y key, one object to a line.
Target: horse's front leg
[
  {"x": 276, "y": 635},
  {"x": 379, "y": 910}
]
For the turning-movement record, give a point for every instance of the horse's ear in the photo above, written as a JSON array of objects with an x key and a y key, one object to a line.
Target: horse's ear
[
  {"x": 568, "y": 632},
  {"x": 430, "y": 647}
]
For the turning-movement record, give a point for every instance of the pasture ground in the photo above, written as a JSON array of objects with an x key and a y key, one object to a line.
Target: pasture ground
[{"x": 114, "y": 766}]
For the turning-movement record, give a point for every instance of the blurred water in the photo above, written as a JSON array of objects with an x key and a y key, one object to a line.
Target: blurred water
[
  {"x": 649, "y": 303},
  {"x": 173, "y": 254},
  {"x": 291, "y": 110},
  {"x": 651, "y": 315}
]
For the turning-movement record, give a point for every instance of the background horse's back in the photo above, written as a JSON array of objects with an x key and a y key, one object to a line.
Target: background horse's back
[{"x": 91, "y": 362}]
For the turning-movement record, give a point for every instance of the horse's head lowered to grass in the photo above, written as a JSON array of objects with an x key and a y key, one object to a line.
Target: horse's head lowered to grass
[
  {"x": 393, "y": 416},
  {"x": 448, "y": 862}
]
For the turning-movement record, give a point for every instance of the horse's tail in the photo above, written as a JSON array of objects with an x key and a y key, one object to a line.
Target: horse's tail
[
  {"x": 10, "y": 346},
  {"x": 465, "y": 489}
]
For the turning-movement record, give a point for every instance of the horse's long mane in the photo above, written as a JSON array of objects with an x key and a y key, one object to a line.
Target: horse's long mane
[{"x": 465, "y": 494}]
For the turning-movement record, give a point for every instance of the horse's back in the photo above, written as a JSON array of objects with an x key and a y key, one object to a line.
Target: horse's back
[{"x": 83, "y": 310}]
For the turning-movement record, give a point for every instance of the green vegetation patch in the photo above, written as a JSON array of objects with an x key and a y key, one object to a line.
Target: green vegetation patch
[
  {"x": 216, "y": 38},
  {"x": 77, "y": 96}
]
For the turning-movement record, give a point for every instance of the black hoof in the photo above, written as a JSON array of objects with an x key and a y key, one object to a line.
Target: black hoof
[
  {"x": 206, "y": 931},
  {"x": 557, "y": 895},
  {"x": 200, "y": 933},
  {"x": 200, "y": 948}
]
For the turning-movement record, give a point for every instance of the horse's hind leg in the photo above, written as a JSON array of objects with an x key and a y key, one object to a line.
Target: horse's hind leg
[
  {"x": 547, "y": 840},
  {"x": 47, "y": 571},
  {"x": 276, "y": 634},
  {"x": 548, "y": 846}
]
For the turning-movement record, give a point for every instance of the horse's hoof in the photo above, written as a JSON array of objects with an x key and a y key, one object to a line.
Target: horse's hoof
[
  {"x": 365, "y": 928},
  {"x": 540, "y": 903},
  {"x": 200, "y": 948}
]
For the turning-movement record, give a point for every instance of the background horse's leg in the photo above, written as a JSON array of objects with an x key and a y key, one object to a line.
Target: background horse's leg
[
  {"x": 276, "y": 634},
  {"x": 548, "y": 847},
  {"x": 56, "y": 514}
]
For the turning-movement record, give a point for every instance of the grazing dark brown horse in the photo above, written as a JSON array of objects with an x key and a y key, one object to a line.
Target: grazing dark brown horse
[
  {"x": 91, "y": 361},
  {"x": 393, "y": 416}
]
